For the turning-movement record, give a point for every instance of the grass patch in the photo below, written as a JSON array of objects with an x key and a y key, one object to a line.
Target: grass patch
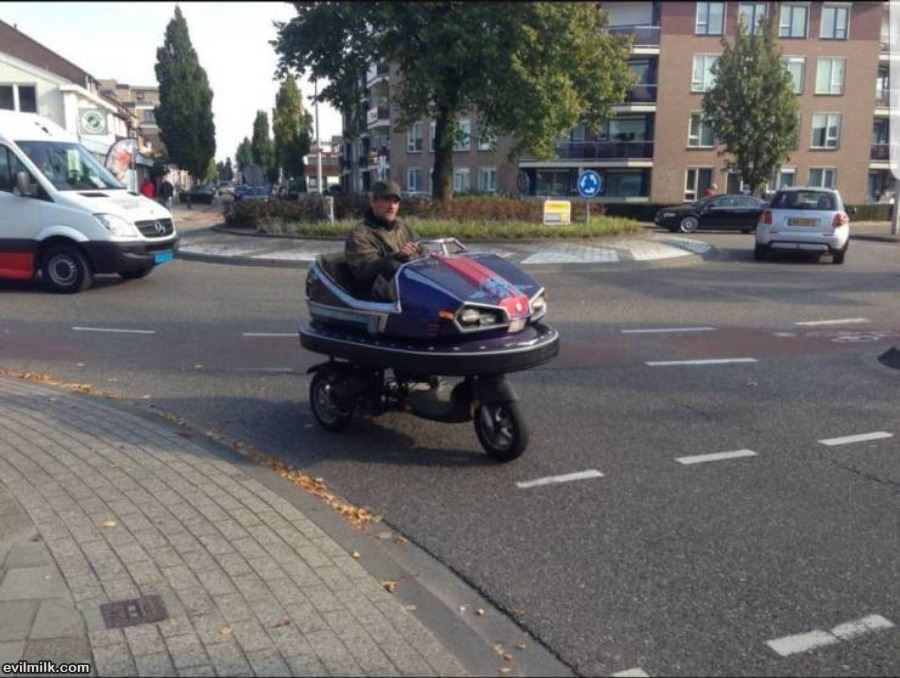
[{"x": 464, "y": 230}]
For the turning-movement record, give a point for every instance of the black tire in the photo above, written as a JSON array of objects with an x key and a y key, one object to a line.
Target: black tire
[
  {"x": 65, "y": 269},
  {"x": 501, "y": 430},
  {"x": 839, "y": 256},
  {"x": 747, "y": 230},
  {"x": 689, "y": 224},
  {"x": 760, "y": 252},
  {"x": 323, "y": 405},
  {"x": 135, "y": 275}
]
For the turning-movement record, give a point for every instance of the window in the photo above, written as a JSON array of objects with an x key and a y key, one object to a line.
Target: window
[
  {"x": 710, "y": 18},
  {"x": 431, "y": 135},
  {"x": 830, "y": 75},
  {"x": 7, "y": 102},
  {"x": 486, "y": 142},
  {"x": 626, "y": 183},
  {"x": 795, "y": 65},
  {"x": 461, "y": 180},
  {"x": 414, "y": 141},
  {"x": 826, "y": 130},
  {"x": 785, "y": 177},
  {"x": 149, "y": 116},
  {"x": 835, "y": 21},
  {"x": 700, "y": 134},
  {"x": 793, "y": 20},
  {"x": 822, "y": 177},
  {"x": 487, "y": 179},
  {"x": 702, "y": 77},
  {"x": 753, "y": 14},
  {"x": 414, "y": 179},
  {"x": 463, "y": 135},
  {"x": 27, "y": 98},
  {"x": 7, "y": 175},
  {"x": 696, "y": 181}
]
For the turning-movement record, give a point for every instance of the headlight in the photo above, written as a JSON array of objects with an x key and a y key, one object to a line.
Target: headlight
[
  {"x": 118, "y": 226},
  {"x": 539, "y": 304},
  {"x": 474, "y": 317}
]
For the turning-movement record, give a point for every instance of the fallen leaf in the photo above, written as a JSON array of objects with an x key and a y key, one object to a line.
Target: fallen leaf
[
  {"x": 400, "y": 540},
  {"x": 389, "y": 586},
  {"x": 411, "y": 608},
  {"x": 283, "y": 622},
  {"x": 507, "y": 657},
  {"x": 79, "y": 364},
  {"x": 505, "y": 669},
  {"x": 225, "y": 629},
  {"x": 356, "y": 554},
  {"x": 480, "y": 612},
  {"x": 521, "y": 646},
  {"x": 385, "y": 535},
  {"x": 462, "y": 609},
  {"x": 198, "y": 367},
  {"x": 145, "y": 397},
  {"x": 108, "y": 523},
  {"x": 498, "y": 649}
]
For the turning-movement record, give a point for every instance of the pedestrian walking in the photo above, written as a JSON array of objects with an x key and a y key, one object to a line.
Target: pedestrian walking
[
  {"x": 165, "y": 193},
  {"x": 148, "y": 189},
  {"x": 711, "y": 190}
]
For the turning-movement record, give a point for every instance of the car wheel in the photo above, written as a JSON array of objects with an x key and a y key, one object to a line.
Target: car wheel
[
  {"x": 689, "y": 225},
  {"x": 65, "y": 270},
  {"x": 760, "y": 252},
  {"x": 746, "y": 230},
  {"x": 839, "y": 256}
]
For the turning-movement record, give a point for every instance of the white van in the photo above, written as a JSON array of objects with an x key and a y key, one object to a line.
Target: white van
[{"x": 63, "y": 214}]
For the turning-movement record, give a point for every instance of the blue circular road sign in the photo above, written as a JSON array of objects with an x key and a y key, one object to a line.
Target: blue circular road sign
[{"x": 589, "y": 184}]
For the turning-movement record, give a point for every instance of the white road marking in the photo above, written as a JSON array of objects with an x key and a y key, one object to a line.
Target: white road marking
[
  {"x": 275, "y": 370},
  {"x": 631, "y": 673},
  {"x": 580, "y": 475},
  {"x": 861, "y": 438},
  {"x": 840, "y": 321},
  {"x": 722, "y": 361},
  {"x": 784, "y": 334},
  {"x": 715, "y": 456},
  {"x": 270, "y": 334},
  {"x": 111, "y": 329},
  {"x": 669, "y": 329},
  {"x": 803, "y": 642}
]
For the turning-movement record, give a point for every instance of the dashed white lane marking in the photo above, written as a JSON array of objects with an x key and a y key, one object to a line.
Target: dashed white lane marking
[
  {"x": 273, "y": 370},
  {"x": 669, "y": 329},
  {"x": 112, "y": 329},
  {"x": 715, "y": 456},
  {"x": 631, "y": 673},
  {"x": 580, "y": 475},
  {"x": 839, "y": 321},
  {"x": 270, "y": 334},
  {"x": 861, "y": 438},
  {"x": 784, "y": 334},
  {"x": 722, "y": 361},
  {"x": 803, "y": 642}
]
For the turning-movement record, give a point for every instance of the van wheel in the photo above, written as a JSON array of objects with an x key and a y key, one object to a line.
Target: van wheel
[
  {"x": 760, "y": 252},
  {"x": 838, "y": 256},
  {"x": 134, "y": 275},
  {"x": 65, "y": 270}
]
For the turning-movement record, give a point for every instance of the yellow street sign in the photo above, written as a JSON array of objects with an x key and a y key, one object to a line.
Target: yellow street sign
[{"x": 557, "y": 212}]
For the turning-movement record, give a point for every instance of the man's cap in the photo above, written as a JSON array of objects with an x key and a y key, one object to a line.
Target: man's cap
[{"x": 384, "y": 189}]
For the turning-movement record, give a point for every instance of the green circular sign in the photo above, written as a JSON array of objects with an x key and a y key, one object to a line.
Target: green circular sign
[{"x": 92, "y": 122}]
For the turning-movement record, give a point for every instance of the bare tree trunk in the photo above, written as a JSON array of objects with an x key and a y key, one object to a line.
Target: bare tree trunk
[{"x": 443, "y": 157}]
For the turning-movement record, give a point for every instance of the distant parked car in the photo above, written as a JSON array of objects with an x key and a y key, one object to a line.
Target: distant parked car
[
  {"x": 226, "y": 188},
  {"x": 245, "y": 192},
  {"x": 809, "y": 219},
  {"x": 727, "y": 212},
  {"x": 202, "y": 193}
]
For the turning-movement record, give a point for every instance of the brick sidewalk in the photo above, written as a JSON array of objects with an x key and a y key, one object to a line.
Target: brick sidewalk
[{"x": 98, "y": 505}]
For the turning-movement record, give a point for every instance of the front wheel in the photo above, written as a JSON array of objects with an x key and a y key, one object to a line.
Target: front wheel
[
  {"x": 689, "y": 225},
  {"x": 501, "y": 430},
  {"x": 323, "y": 401},
  {"x": 65, "y": 270},
  {"x": 760, "y": 252}
]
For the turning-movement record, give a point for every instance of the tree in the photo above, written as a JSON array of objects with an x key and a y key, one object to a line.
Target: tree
[
  {"x": 261, "y": 147},
  {"x": 530, "y": 69},
  {"x": 291, "y": 130},
  {"x": 244, "y": 155},
  {"x": 212, "y": 172},
  {"x": 227, "y": 170},
  {"x": 751, "y": 108},
  {"x": 184, "y": 114}
]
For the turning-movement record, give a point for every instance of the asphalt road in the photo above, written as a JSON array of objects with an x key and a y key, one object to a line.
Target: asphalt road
[{"x": 674, "y": 568}]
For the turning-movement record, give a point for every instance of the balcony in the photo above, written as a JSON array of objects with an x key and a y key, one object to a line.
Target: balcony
[
  {"x": 882, "y": 98},
  {"x": 376, "y": 72},
  {"x": 379, "y": 115},
  {"x": 382, "y": 151},
  {"x": 644, "y": 36},
  {"x": 640, "y": 94},
  {"x": 880, "y": 152},
  {"x": 603, "y": 150}
]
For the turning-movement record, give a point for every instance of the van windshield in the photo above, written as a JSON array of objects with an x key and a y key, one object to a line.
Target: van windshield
[{"x": 68, "y": 166}]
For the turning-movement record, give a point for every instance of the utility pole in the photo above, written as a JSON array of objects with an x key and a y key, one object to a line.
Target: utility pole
[{"x": 318, "y": 141}]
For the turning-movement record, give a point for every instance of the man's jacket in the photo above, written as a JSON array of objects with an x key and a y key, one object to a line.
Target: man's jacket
[{"x": 372, "y": 245}]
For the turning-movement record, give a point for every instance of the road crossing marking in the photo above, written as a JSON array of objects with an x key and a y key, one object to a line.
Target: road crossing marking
[
  {"x": 803, "y": 642},
  {"x": 270, "y": 334},
  {"x": 715, "y": 456},
  {"x": 631, "y": 673},
  {"x": 840, "y": 321},
  {"x": 722, "y": 361},
  {"x": 580, "y": 475},
  {"x": 669, "y": 329},
  {"x": 112, "y": 329},
  {"x": 861, "y": 438}
]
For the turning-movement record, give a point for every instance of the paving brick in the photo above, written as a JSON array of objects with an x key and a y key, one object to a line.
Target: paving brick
[
  {"x": 32, "y": 582},
  {"x": 205, "y": 670},
  {"x": 313, "y": 557},
  {"x": 251, "y": 636},
  {"x": 121, "y": 588},
  {"x": 175, "y": 626},
  {"x": 235, "y": 564},
  {"x": 306, "y": 618},
  {"x": 216, "y": 583},
  {"x": 16, "y": 617},
  {"x": 156, "y": 664},
  {"x": 29, "y": 554},
  {"x": 268, "y": 663},
  {"x": 196, "y": 601},
  {"x": 180, "y": 577},
  {"x": 266, "y": 569},
  {"x": 144, "y": 639},
  {"x": 186, "y": 651},
  {"x": 229, "y": 660},
  {"x": 406, "y": 659},
  {"x": 233, "y": 607},
  {"x": 286, "y": 591},
  {"x": 12, "y": 651},
  {"x": 166, "y": 556},
  {"x": 212, "y": 629},
  {"x": 113, "y": 660},
  {"x": 323, "y": 599},
  {"x": 251, "y": 587},
  {"x": 305, "y": 665},
  {"x": 269, "y": 612},
  {"x": 57, "y": 618},
  {"x": 249, "y": 548},
  {"x": 106, "y": 637}
]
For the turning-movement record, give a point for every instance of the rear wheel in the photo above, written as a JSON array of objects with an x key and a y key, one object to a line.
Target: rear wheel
[
  {"x": 688, "y": 225},
  {"x": 839, "y": 256},
  {"x": 134, "y": 275},
  {"x": 323, "y": 401},
  {"x": 501, "y": 430},
  {"x": 760, "y": 252},
  {"x": 65, "y": 269}
]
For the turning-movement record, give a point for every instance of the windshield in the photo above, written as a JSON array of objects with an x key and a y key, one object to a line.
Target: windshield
[
  {"x": 68, "y": 166},
  {"x": 805, "y": 200}
]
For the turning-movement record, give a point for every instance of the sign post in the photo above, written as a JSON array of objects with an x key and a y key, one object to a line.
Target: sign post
[{"x": 589, "y": 185}]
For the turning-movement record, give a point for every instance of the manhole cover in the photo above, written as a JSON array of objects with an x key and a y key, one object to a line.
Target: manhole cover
[{"x": 121, "y": 613}]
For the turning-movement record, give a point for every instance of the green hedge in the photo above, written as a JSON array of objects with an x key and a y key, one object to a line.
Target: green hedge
[{"x": 880, "y": 212}]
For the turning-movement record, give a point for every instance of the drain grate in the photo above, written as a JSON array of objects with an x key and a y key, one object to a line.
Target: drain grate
[{"x": 122, "y": 613}]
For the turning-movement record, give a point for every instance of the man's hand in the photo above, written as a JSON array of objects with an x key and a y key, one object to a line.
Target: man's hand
[{"x": 409, "y": 250}]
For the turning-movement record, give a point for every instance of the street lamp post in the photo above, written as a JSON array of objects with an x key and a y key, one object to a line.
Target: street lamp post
[{"x": 318, "y": 141}]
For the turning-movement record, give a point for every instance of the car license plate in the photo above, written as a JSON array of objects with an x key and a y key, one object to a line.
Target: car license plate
[
  {"x": 802, "y": 222},
  {"x": 668, "y": 214},
  {"x": 163, "y": 257},
  {"x": 517, "y": 325}
]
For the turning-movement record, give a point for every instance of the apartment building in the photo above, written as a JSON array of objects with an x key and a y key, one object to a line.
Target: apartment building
[
  {"x": 655, "y": 147},
  {"x": 140, "y": 102}
]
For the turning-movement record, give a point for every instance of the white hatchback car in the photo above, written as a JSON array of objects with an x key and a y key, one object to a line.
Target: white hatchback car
[{"x": 803, "y": 218}]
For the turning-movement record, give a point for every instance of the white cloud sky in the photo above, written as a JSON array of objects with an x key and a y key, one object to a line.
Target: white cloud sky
[{"x": 119, "y": 40}]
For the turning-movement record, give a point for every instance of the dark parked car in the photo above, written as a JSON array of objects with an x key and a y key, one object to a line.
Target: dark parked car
[
  {"x": 245, "y": 192},
  {"x": 202, "y": 193},
  {"x": 726, "y": 212}
]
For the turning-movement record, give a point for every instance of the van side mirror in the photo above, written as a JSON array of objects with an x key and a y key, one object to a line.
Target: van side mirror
[{"x": 23, "y": 183}]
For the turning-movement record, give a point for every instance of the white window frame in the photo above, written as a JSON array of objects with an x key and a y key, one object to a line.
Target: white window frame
[
  {"x": 458, "y": 172},
  {"x": 831, "y": 83},
  {"x": 17, "y": 101},
  {"x": 694, "y": 140},
  {"x": 414, "y": 186},
  {"x": 756, "y": 15},
  {"x": 487, "y": 172},
  {"x": 463, "y": 125},
  {"x": 785, "y": 170},
  {"x": 703, "y": 85},
  {"x": 786, "y": 59},
  {"x": 414, "y": 138},
  {"x": 697, "y": 15},
  {"x": 486, "y": 144},
  {"x": 431, "y": 134},
  {"x": 790, "y": 6},
  {"x": 823, "y": 170},
  {"x": 847, "y": 7},
  {"x": 828, "y": 117},
  {"x": 692, "y": 190}
]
